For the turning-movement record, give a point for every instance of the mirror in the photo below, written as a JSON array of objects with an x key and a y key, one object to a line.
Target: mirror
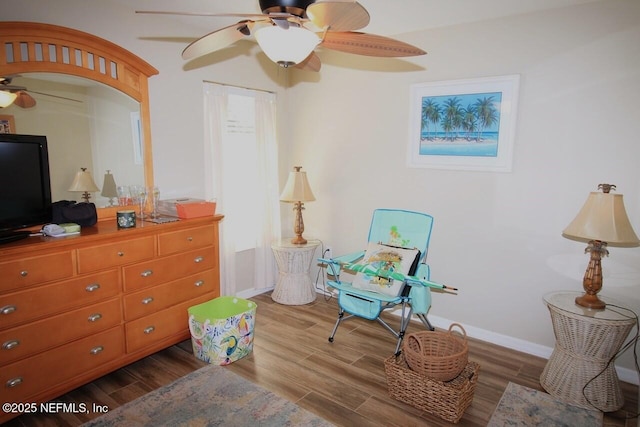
[
  {"x": 29, "y": 47},
  {"x": 87, "y": 124}
]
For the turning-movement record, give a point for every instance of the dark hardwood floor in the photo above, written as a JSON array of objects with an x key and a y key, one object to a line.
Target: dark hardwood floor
[{"x": 343, "y": 382}]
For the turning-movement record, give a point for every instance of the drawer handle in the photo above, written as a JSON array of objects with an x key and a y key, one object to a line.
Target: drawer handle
[
  {"x": 8, "y": 345},
  {"x": 120, "y": 254},
  {"x": 198, "y": 259},
  {"x": 149, "y": 329},
  {"x": 189, "y": 239},
  {"x": 14, "y": 382},
  {"x": 24, "y": 273},
  {"x": 146, "y": 273},
  {"x": 96, "y": 350},
  {"x": 95, "y": 317},
  {"x": 147, "y": 300},
  {"x": 92, "y": 287},
  {"x": 199, "y": 283},
  {"x": 8, "y": 309}
]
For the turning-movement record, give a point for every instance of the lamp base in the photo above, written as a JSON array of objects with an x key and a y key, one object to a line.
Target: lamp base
[
  {"x": 86, "y": 196},
  {"x": 299, "y": 240},
  {"x": 298, "y": 225},
  {"x": 590, "y": 301}
]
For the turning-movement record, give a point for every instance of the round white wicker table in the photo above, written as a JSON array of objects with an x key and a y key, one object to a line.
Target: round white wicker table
[
  {"x": 294, "y": 286},
  {"x": 578, "y": 371}
]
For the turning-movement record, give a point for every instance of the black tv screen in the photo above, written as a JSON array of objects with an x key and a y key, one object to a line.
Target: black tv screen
[{"x": 25, "y": 184}]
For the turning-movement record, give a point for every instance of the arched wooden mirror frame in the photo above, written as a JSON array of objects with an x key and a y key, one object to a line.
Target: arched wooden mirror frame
[{"x": 35, "y": 47}]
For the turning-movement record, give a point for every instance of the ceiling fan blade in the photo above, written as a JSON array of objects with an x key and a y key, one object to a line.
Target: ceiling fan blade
[
  {"x": 218, "y": 39},
  {"x": 55, "y": 96},
  {"x": 311, "y": 63},
  {"x": 368, "y": 44},
  {"x": 24, "y": 100},
  {"x": 12, "y": 88},
  {"x": 338, "y": 15},
  {"x": 252, "y": 16}
]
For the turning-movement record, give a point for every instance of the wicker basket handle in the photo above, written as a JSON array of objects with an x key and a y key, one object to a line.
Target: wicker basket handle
[
  {"x": 464, "y": 333},
  {"x": 412, "y": 337}
]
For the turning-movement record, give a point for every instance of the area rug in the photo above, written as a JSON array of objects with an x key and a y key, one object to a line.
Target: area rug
[
  {"x": 210, "y": 396},
  {"x": 524, "y": 406}
]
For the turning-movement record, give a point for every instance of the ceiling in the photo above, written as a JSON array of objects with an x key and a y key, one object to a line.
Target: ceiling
[{"x": 388, "y": 18}]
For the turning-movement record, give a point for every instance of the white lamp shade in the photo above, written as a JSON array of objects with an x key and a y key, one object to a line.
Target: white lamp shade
[
  {"x": 603, "y": 217},
  {"x": 83, "y": 182},
  {"x": 297, "y": 188},
  {"x": 109, "y": 186},
  {"x": 7, "y": 98},
  {"x": 286, "y": 46}
]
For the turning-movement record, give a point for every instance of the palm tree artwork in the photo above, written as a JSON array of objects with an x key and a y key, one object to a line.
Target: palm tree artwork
[{"x": 460, "y": 125}]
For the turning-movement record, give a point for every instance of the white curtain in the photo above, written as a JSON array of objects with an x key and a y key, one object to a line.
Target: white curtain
[
  {"x": 265, "y": 270},
  {"x": 218, "y": 174}
]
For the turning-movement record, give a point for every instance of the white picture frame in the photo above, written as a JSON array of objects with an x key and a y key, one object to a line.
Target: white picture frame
[{"x": 464, "y": 124}]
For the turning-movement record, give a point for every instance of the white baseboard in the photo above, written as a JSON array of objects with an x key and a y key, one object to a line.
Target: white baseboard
[
  {"x": 625, "y": 374},
  {"x": 249, "y": 293}
]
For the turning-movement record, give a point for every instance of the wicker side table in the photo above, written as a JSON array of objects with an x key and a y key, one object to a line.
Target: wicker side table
[
  {"x": 294, "y": 286},
  {"x": 585, "y": 342}
]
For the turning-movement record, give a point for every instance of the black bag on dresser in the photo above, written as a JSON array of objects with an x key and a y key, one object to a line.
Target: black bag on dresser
[{"x": 84, "y": 214}]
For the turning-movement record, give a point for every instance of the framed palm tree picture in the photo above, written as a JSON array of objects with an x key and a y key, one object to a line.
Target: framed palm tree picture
[
  {"x": 7, "y": 124},
  {"x": 464, "y": 124}
]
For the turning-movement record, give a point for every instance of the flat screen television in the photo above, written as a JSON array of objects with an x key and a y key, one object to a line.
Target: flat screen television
[{"x": 25, "y": 183}]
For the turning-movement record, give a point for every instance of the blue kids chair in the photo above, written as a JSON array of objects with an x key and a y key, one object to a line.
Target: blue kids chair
[{"x": 391, "y": 272}]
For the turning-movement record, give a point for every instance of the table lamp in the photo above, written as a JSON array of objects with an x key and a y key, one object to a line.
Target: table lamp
[
  {"x": 602, "y": 221},
  {"x": 109, "y": 189},
  {"x": 83, "y": 182},
  {"x": 297, "y": 191}
]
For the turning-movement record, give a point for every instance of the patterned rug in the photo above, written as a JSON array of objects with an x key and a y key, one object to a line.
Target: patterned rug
[
  {"x": 210, "y": 396},
  {"x": 524, "y": 406}
]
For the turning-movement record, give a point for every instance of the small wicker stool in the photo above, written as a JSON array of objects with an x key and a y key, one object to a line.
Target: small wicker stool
[
  {"x": 585, "y": 342},
  {"x": 294, "y": 286}
]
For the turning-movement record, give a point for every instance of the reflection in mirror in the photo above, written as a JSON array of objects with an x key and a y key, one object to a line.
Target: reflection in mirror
[{"x": 88, "y": 125}]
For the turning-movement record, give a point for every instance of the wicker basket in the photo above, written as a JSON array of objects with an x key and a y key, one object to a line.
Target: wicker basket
[
  {"x": 437, "y": 355},
  {"x": 445, "y": 399}
]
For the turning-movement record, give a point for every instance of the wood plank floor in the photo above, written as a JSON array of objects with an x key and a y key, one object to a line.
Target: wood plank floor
[{"x": 343, "y": 381}]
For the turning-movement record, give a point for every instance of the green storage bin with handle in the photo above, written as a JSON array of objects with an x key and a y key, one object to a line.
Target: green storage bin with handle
[{"x": 222, "y": 329}]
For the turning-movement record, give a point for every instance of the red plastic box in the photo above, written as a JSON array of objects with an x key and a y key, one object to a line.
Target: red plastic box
[
  {"x": 186, "y": 208},
  {"x": 195, "y": 209}
]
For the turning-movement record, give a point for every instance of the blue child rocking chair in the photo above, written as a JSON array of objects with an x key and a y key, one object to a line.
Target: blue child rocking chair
[{"x": 393, "y": 234}]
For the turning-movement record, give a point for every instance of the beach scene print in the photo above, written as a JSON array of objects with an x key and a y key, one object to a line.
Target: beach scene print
[{"x": 460, "y": 125}]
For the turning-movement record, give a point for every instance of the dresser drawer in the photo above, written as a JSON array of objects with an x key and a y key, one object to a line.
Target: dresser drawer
[
  {"x": 115, "y": 254},
  {"x": 33, "y": 303},
  {"x": 159, "y": 297},
  {"x": 169, "y": 268},
  {"x": 35, "y": 270},
  {"x": 144, "y": 332},
  {"x": 54, "y": 331},
  {"x": 184, "y": 240},
  {"x": 23, "y": 379}
]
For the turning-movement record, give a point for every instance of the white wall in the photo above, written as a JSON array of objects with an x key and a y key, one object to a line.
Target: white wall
[{"x": 497, "y": 235}]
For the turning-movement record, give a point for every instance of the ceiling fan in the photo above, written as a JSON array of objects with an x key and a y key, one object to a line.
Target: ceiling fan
[
  {"x": 288, "y": 31},
  {"x": 19, "y": 95}
]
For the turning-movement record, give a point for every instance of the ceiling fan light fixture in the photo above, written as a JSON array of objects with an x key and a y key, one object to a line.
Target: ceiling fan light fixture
[
  {"x": 7, "y": 98},
  {"x": 287, "y": 47}
]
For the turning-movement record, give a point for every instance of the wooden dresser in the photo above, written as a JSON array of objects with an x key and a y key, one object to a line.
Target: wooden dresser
[{"x": 75, "y": 308}]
